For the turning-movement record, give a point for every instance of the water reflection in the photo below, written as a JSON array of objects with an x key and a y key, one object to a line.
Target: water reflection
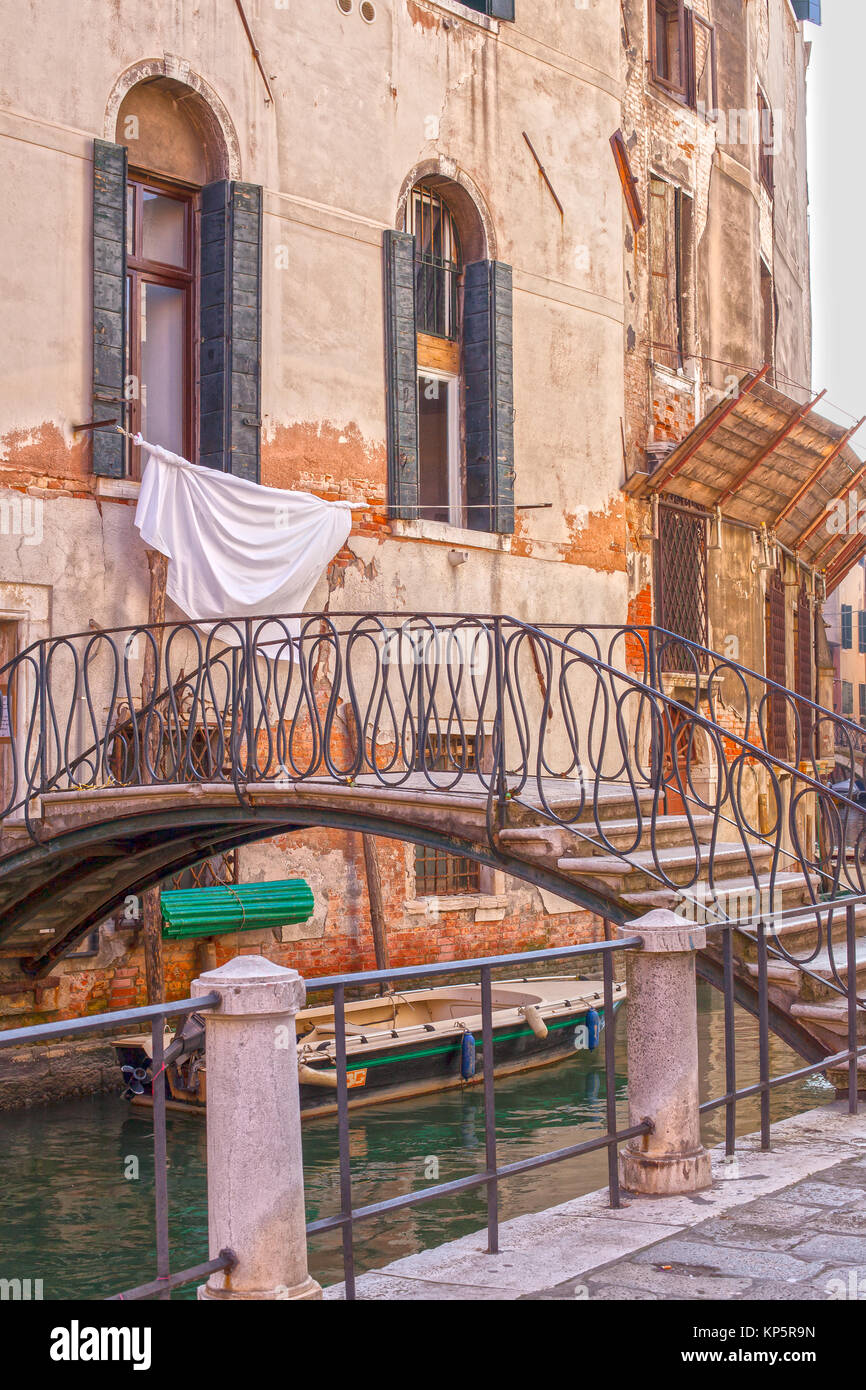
[{"x": 77, "y": 1195}]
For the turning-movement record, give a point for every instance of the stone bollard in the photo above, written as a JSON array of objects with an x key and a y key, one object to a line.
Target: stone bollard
[
  {"x": 662, "y": 1044},
  {"x": 255, "y": 1175}
]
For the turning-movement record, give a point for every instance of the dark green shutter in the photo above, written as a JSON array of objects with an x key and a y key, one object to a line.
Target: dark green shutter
[
  {"x": 231, "y": 328},
  {"x": 501, "y": 9},
  {"x": 109, "y": 303},
  {"x": 402, "y": 370},
  {"x": 489, "y": 386}
]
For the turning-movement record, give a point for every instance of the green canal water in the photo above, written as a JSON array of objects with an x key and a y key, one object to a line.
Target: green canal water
[{"x": 71, "y": 1216}]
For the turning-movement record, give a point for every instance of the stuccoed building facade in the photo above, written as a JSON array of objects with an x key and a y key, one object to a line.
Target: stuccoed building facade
[{"x": 474, "y": 266}]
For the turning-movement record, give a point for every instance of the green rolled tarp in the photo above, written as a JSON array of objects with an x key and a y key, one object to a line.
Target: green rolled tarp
[{"x": 235, "y": 907}]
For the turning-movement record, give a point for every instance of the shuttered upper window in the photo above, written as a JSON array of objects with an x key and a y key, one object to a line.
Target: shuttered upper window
[
  {"x": 682, "y": 48},
  {"x": 450, "y": 390},
  {"x": 496, "y": 9},
  {"x": 847, "y": 613},
  {"x": 177, "y": 288}
]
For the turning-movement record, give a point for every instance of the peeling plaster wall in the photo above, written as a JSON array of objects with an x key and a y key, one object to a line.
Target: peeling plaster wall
[
  {"x": 358, "y": 108},
  {"x": 735, "y": 224}
]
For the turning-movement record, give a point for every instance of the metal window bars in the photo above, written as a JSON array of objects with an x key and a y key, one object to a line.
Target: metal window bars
[
  {"x": 437, "y": 262},
  {"x": 156, "y": 1014}
]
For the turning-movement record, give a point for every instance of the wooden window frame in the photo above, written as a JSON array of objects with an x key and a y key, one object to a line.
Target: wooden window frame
[
  {"x": 691, "y": 61},
  {"x": 434, "y": 867},
  {"x": 766, "y": 170},
  {"x": 677, "y": 8},
  {"x": 456, "y": 490},
  {"x": 628, "y": 180},
  {"x": 685, "y": 88},
  {"x": 140, "y": 271}
]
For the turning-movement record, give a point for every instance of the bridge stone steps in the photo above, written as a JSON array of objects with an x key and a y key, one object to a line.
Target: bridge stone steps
[
  {"x": 670, "y": 831},
  {"x": 640, "y": 870},
  {"x": 790, "y": 891}
]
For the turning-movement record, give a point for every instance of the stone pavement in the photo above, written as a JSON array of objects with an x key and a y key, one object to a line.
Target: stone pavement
[{"x": 785, "y": 1225}]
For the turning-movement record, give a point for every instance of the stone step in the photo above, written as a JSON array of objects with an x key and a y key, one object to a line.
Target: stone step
[
  {"x": 790, "y": 887},
  {"x": 536, "y": 841},
  {"x": 677, "y": 862}
]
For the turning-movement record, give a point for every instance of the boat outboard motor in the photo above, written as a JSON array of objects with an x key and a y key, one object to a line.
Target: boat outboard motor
[{"x": 187, "y": 1040}]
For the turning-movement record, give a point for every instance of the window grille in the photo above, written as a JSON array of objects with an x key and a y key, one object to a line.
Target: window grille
[
  {"x": 438, "y": 873},
  {"x": 437, "y": 262}
]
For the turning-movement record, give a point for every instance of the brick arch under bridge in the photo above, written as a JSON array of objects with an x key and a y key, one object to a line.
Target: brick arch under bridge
[{"x": 96, "y": 849}]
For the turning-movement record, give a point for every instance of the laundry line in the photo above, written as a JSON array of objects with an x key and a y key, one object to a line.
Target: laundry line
[{"x": 366, "y": 506}]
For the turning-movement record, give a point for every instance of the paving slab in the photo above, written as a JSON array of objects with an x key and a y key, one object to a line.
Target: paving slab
[{"x": 761, "y": 1231}]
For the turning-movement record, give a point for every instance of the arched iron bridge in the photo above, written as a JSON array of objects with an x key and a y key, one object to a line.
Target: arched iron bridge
[{"x": 621, "y": 767}]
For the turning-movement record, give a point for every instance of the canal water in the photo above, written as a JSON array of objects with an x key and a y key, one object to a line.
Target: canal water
[{"x": 76, "y": 1199}]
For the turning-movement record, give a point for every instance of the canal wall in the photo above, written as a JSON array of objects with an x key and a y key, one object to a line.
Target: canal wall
[{"x": 56, "y": 1071}]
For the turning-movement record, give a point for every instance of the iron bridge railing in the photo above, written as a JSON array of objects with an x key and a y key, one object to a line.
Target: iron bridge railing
[{"x": 549, "y": 719}]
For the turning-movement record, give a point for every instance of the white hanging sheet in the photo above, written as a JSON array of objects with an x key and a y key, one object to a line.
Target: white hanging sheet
[{"x": 235, "y": 548}]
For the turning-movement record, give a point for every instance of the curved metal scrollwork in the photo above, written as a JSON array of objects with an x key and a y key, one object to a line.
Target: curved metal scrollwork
[{"x": 564, "y": 720}]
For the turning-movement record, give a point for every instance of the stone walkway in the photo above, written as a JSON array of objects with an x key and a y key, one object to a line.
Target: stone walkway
[{"x": 785, "y": 1225}]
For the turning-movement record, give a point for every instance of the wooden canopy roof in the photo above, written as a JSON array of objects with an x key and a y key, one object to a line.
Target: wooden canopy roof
[{"x": 762, "y": 458}]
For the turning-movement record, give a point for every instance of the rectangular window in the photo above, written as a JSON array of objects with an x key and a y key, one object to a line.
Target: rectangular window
[
  {"x": 438, "y": 873},
  {"x": 766, "y": 138},
  {"x": 669, "y": 219},
  {"x": 496, "y": 9},
  {"x": 683, "y": 54},
  {"x": 847, "y": 697},
  {"x": 768, "y": 315},
  {"x": 862, "y": 689},
  {"x": 701, "y": 84},
  {"x": 160, "y": 260},
  {"x": 668, "y": 44},
  {"x": 847, "y": 634},
  {"x": 439, "y": 447},
  {"x": 861, "y": 631}
]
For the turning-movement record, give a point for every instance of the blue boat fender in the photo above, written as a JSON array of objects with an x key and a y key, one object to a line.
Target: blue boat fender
[
  {"x": 467, "y": 1056},
  {"x": 593, "y": 1029}
]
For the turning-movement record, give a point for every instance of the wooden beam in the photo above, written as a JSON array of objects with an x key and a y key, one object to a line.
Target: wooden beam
[
  {"x": 151, "y": 910},
  {"x": 822, "y": 516},
  {"x": 371, "y": 863},
  {"x": 790, "y": 425},
  {"x": 818, "y": 472},
  {"x": 701, "y": 433},
  {"x": 844, "y": 562}
]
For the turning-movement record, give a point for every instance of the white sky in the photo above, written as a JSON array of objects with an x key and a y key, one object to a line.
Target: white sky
[{"x": 837, "y": 199}]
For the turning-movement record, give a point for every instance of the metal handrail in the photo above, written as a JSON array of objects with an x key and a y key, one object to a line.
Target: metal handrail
[
  {"x": 493, "y": 1172},
  {"x": 261, "y": 719},
  {"x": 165, "y": 1280}
]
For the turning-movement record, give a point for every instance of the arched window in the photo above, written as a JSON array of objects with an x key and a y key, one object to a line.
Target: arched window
[
  {"x": 437, "y": 262},
  {"x": 176, "y": 286},
  {"x": 431, "y": 222},
  {"x": 448, "y": 333}
]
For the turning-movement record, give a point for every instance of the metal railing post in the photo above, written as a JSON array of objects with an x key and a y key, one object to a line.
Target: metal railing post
[
  {"x": 662, "y": 1041},
  {"x": 255, "y": 1173},
  {"x": 851, "y": 982},
  {"x": 499, "y": 724}
]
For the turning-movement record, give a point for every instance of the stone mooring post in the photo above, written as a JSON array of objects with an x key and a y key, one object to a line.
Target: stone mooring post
[
  {"x": 662, "y": 1044},
  {"x": 255, "y": 1175}
]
